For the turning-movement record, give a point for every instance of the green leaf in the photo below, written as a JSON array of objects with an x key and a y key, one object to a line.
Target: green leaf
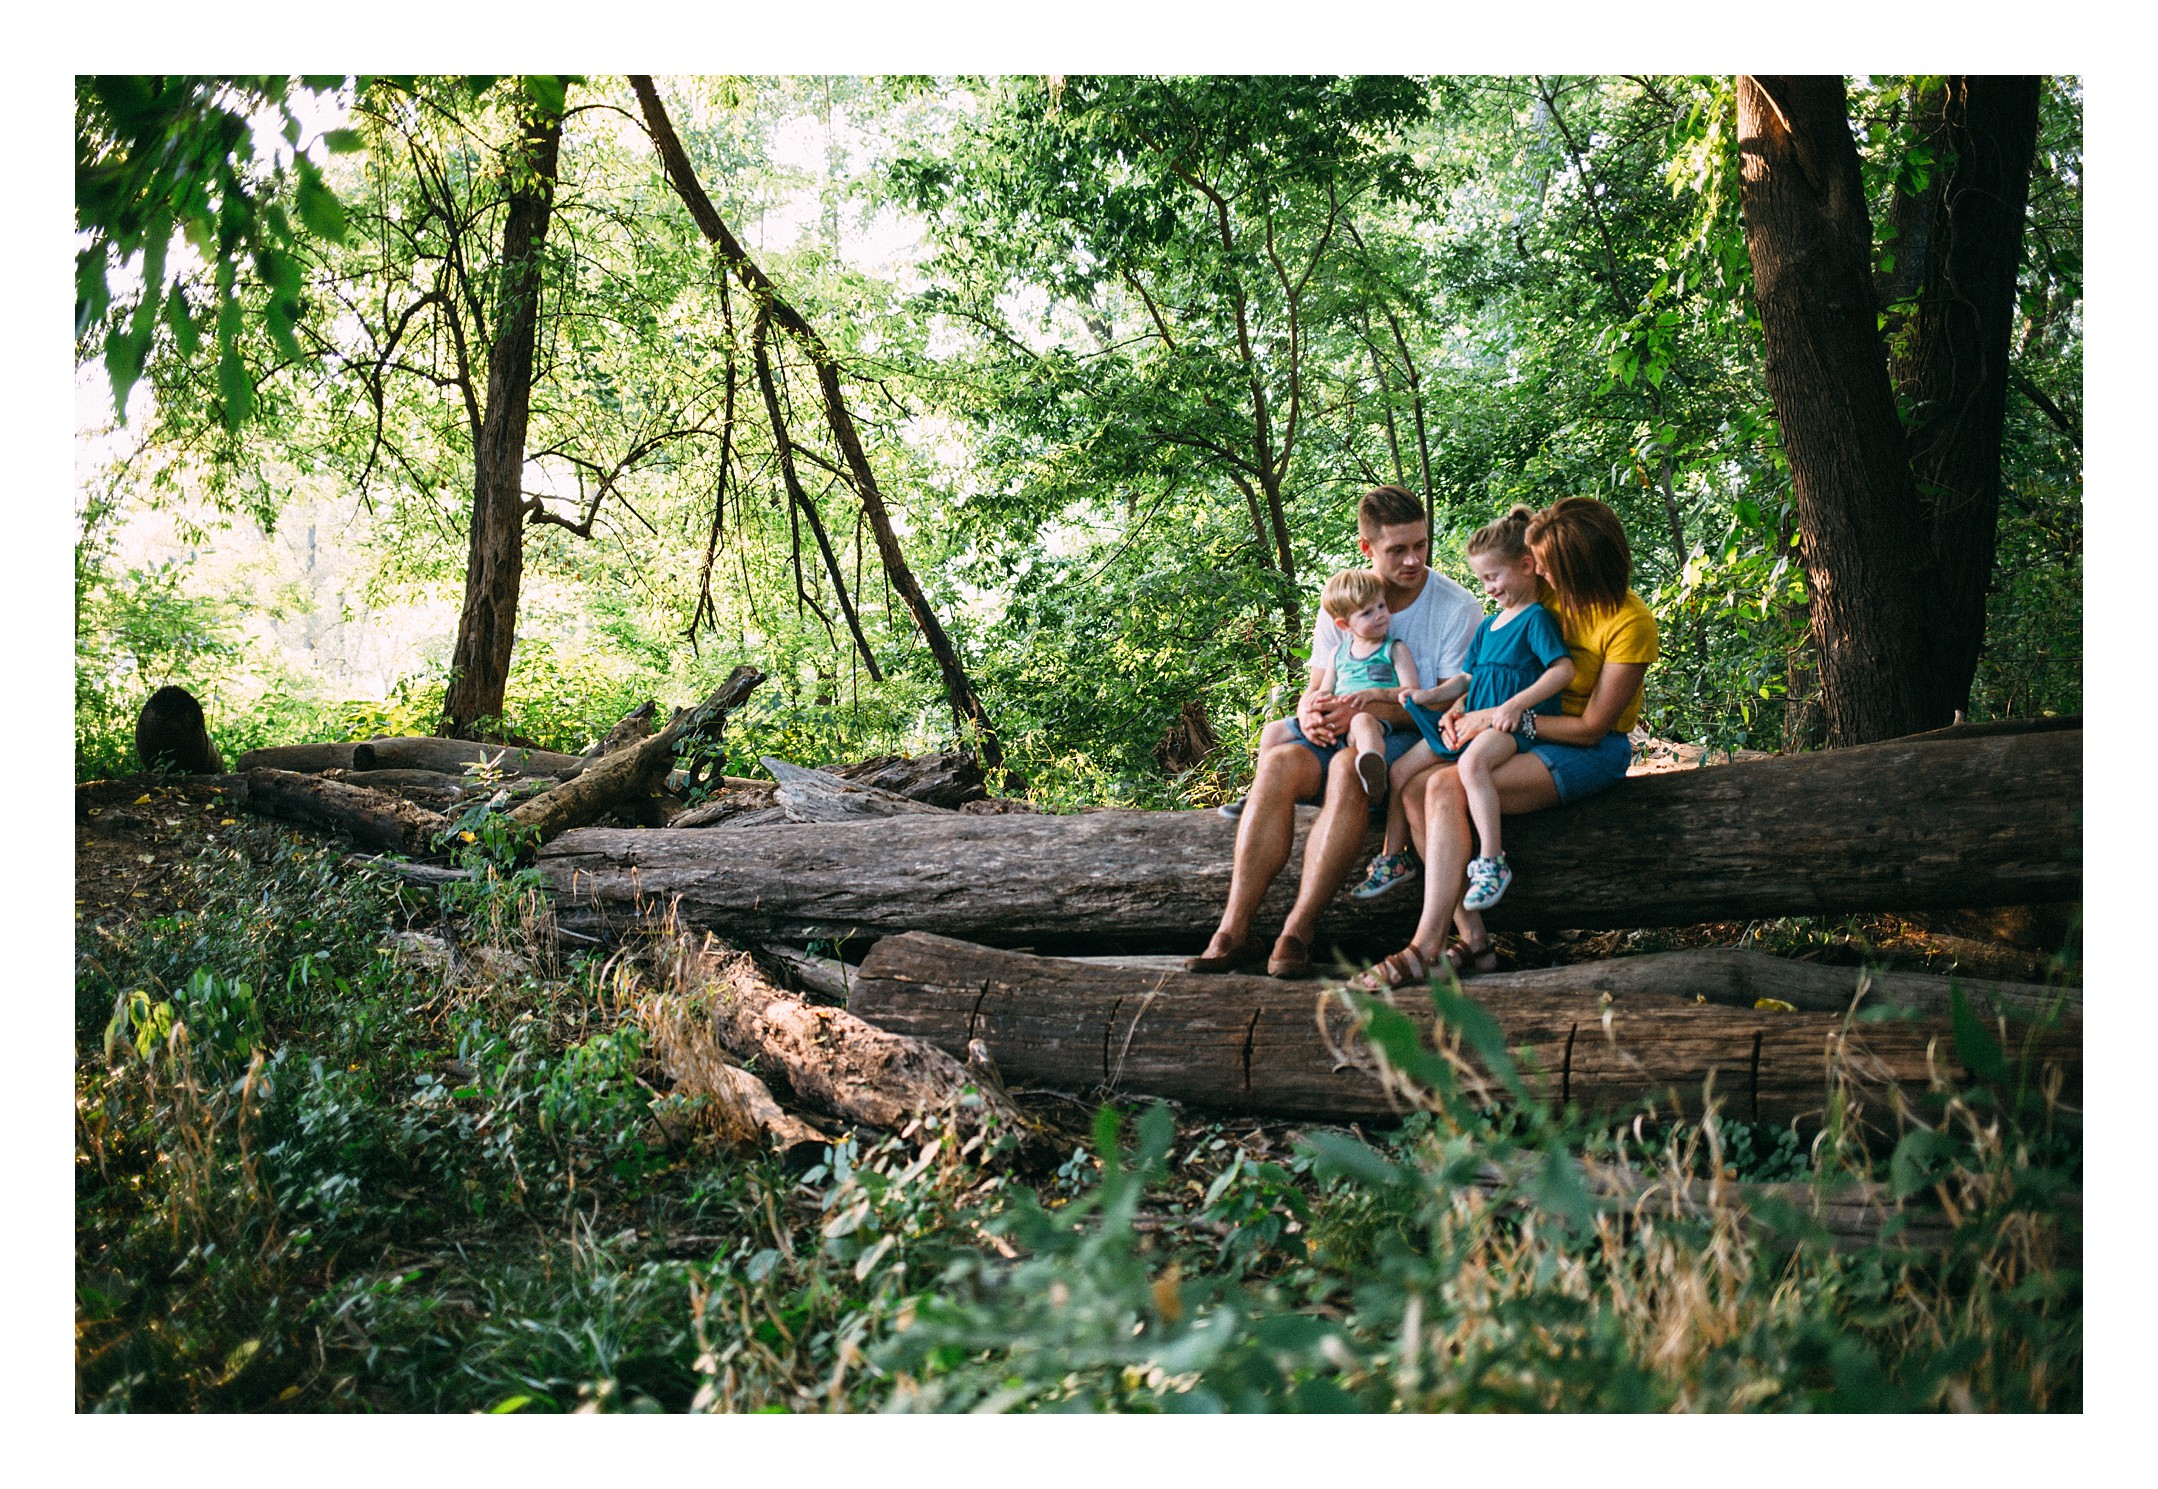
[
  {"x": 320, "y": 209},
  {"x": 235, "y": 386},
  {"x": 1337, "y": 1153},
  {"x": 1917, "y": 1159},
  {"x": 1976, "y": 1047},
  {"x": 343, "y": 141}
]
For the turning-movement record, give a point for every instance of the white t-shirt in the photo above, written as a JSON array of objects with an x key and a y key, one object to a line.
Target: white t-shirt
[{"x": 1438, "y": 625}]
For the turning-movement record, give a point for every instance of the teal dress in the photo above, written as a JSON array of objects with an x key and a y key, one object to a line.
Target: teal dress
[{"x": 1500, "y": 664}]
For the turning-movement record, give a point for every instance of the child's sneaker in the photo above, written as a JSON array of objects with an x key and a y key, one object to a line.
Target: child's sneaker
[
  {"x": 1387, "y": 870},
  {"x": 1488, "y": 878}
]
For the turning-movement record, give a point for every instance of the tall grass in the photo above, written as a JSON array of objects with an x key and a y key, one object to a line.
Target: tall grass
[{"x": 341, "y": 1146}]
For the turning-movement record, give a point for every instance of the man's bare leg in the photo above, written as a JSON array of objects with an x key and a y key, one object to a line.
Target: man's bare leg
[
  {"x": 1287, "y": 774},
  {"x": 1331, "y": 851}
]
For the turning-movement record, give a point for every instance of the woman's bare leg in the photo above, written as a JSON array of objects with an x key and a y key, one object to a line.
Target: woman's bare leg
[
  {"x": 1485, "y": 754},
  {"x": 1524, "y": 785}
]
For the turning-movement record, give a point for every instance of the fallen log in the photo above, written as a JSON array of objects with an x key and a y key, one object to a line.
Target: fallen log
[
  {"x": 1902, "y": 825},
  {"x": 828, "y": 977},
  {"x": 449, "y": 756},
  {"x": 1258, "y": 1045},
  {"x": 734, "y": 809},
  {"x": 833, "y": 1060},
  {"x": 951, "y": 778},
  {"x": 730, "y": 1101},
  {"x": 634, "y": 773},
  {"x": 816, "y": 796},
  {"x": 1736, "y": 978},
  {"x": 375, "y": 819}
]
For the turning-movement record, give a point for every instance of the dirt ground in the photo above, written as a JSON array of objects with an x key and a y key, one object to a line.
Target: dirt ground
[{"x": 132, "y": 836}]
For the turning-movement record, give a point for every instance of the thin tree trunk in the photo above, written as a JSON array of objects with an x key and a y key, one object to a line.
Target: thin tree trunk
[
  {"x": 966, "y": 705},
  {"x": 494, "y": 566},
  {"x": 1951, "y": 359},
  {"x": 1865, "y": 550}
]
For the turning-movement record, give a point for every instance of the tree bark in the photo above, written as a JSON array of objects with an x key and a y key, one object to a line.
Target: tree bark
[
  {"x": 1951, "y": 822},
  {"x": 1864, "y": 544},
  {"x": 959, "y": 688},
  {"x": 1950, "y": 359},
  {"x": 494, "y": 565},
  {"x": 1257, "y": 1045}
]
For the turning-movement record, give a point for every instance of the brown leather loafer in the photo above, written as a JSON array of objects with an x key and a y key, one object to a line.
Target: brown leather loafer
[
  {"x": 1235, "y": 959},
  {"x": 1291, "y": 958}
]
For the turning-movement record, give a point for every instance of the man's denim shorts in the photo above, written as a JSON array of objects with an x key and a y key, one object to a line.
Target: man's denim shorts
[{"x": 1399, "y": 740}]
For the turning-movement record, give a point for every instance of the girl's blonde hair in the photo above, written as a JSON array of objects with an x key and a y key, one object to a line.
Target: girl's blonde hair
[
  {"x": 1580, "y": 547},
  {"x": 1350, "y": 591},
  {"x": 1506, "y": 536}
]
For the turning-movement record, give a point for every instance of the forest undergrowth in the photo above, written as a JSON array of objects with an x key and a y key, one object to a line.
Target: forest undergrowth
[{"x": 344, "y": 1145}]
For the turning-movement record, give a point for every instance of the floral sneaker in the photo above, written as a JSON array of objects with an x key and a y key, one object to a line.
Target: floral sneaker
[
  {"x": 1488, "y": 878},
  {"x": 1387, "y": 870}
]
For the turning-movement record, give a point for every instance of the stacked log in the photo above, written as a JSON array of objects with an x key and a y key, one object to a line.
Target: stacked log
[
  {"x": 1258, "y": 1045},
  {"x": 1904, "y": 825}
]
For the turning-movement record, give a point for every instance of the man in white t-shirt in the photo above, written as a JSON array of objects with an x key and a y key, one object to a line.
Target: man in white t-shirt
[{"x": 1437, "y": 618}]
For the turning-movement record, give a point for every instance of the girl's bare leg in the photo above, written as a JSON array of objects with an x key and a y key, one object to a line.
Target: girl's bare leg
[{"x": 1485, "y": 754}]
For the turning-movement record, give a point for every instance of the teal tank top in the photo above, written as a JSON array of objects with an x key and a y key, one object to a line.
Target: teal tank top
[{"x": 1355, "y": 674}]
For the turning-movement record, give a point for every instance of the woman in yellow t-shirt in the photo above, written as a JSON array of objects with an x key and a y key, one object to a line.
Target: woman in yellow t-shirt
[{"x": 1580, "y": 549}]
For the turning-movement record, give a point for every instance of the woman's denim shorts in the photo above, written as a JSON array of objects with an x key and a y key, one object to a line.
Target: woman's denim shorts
[{"x": 1580, "y": 771}]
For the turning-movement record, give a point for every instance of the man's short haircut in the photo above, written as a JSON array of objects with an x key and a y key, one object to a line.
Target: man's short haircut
[
  {"x": 1350, "y": 591},
  {"x": 1580, "y": 545},
  {"x": 1387, "y": 506}
]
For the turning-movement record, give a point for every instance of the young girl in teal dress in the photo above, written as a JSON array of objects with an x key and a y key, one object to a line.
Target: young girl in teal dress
[{"x": 1517, "y": 666}]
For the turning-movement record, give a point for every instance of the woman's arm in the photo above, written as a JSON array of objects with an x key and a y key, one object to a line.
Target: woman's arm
[
  {"x": 1507, "y": 715},
  {"x": 1615, "y": 688}
]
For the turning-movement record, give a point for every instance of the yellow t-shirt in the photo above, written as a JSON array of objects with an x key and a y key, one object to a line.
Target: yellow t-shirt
[{"x": 1627, "y": 634}]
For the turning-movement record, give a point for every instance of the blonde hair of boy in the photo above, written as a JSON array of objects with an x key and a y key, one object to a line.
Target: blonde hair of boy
[{"x": 1350, "y": 591}]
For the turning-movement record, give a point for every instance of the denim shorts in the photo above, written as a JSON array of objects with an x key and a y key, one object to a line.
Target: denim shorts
[
  {"x": 1399, "y": 741},
  {"x": 1580, "y": 771}
]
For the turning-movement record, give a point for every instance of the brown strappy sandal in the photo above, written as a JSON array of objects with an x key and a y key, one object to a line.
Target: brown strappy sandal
[
  {"x": 1405, "y": 968},
  {"x": 1468, "y": 960}
]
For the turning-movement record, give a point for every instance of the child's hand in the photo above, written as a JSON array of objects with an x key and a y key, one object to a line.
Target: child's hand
[{"x": 1507, "y": 716}]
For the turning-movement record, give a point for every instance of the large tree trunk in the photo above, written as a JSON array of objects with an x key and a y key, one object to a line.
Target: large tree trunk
[
  {"x": 1961, "y": 242},
  {"x": 1864, "y": 543},
  {"x": 494, "y": 566},
  {"x": 967, "y": 710},
  {"x": 1965, "y": 819},
  {"x": 1253, "y": 1044}
]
